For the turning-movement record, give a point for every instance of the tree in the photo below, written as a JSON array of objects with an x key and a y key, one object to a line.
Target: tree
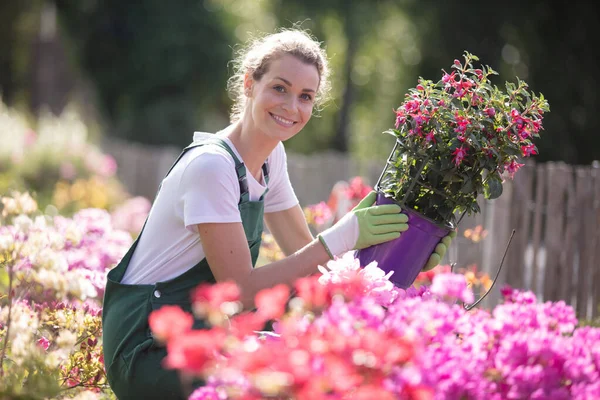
[{"x": 156, "y": 64}]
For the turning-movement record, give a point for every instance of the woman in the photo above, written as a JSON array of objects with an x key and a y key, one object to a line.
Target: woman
[{"x": 207, "y": 220}]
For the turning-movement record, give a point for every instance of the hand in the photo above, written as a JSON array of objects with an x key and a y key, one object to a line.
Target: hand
[
  {"x": 439, "y": 252},
  {"x": 365, "y": 225}
]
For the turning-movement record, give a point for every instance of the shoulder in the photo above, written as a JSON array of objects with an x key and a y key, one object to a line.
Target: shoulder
[
  {"x": 208, "y": 162},
  {"x": 209, "y": 158}
]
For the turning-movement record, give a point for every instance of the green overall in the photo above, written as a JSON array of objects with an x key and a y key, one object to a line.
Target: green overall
[{"x": 131, "y": 355}]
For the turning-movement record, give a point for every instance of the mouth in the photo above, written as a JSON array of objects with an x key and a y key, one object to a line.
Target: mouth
[{"x": 282, "y": 121}]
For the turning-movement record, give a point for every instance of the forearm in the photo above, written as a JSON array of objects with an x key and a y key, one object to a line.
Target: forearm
[
  {"x": 302, "y": 263},
  {"x": 296, "y": 242},
  {"x": 290, "y": 230}
]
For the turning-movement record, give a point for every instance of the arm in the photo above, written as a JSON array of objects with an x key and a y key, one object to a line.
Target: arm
[
  {"x": 230, "y": 260},
  {"x": 289, "y": 228}
]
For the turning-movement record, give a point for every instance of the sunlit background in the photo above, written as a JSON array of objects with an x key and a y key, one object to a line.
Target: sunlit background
[{"x": 154, "y": 71}]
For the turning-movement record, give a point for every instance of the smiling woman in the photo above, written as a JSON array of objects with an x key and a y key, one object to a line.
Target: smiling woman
[{"x": 206, "y": 222}]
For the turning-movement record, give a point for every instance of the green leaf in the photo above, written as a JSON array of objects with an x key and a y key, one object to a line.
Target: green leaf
[{"x": 493, "y": 188}]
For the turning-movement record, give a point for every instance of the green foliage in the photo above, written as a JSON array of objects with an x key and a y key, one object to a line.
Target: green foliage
[
  {"x": 156, "y": 64},
  {"x": 456, "y": 138}
]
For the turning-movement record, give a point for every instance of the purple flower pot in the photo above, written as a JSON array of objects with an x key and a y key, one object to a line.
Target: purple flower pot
[{"x": 408, "y": 254}]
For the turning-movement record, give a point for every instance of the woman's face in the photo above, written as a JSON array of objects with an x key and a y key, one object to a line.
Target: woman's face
[{"x": 282, "y": 101}]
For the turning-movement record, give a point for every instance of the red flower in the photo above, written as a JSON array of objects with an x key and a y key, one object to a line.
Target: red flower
[
  {"x": 459, "y": 154},
  {"x": 216, "y": 294},
  {"x": 312, "y": 292},
  {"x": 169, "y": 321},
  {"x": 43, "y": 343},
  {"x": 358, "y": 189},
  {"x": 193, "y": 350},
  {"x": 430, "y": 137},
  {"x": 419, "y": 392},
  {"x": 246, "y": 324},
  {"x": 528, "y": 150},
  {"x": 490, "y": 111},
  {"x": 512, "y": 168},
  {"x": 271, "y": 302}
]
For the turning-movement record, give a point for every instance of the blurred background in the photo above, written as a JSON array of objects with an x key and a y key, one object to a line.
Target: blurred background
[
  {"x": 152, "y": 71},
  {"x": 135, "y": 78}
]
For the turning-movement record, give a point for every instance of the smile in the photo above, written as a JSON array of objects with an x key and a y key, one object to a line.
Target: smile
[{"x": 282, "y": 121}]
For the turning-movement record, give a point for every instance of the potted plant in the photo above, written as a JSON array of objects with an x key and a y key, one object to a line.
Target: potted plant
[{"x": 455, "y": 139}]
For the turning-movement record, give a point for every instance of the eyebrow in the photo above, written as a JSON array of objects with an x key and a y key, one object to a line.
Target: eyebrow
[{"x": 290, "y": 84}]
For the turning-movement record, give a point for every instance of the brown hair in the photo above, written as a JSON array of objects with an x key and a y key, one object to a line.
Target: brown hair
[{"x": 256, "y": 57}]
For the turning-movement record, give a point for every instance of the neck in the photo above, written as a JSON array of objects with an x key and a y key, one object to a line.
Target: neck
[{"x": 253, "y": 145}]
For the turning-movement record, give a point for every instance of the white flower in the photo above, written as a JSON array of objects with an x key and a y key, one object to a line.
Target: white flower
[
  {"x": 23, "y": 223},
  {"x": 66, "y": 339},
  {"x": 50, "y": 260},
  {"x": 6, "y": 242},
  {"x": 80, "y": 286}
]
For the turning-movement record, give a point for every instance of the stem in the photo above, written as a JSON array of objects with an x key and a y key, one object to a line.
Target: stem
[
  {"x": 5, "y": 344},
  {"x": 468, "y": 307}
]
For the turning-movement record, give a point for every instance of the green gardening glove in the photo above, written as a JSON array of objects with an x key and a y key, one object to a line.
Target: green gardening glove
[
  {"x": 439, "y": 252},
  {"x": 365, "y": 225}
]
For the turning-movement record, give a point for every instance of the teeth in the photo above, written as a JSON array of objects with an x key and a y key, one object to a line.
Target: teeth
[{"x": 283, "y": 120}]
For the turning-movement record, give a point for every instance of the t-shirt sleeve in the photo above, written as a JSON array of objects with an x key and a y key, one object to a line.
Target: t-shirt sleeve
[
  {"x": 209, "y": 191},
  {"x": 281, "y": 195}
]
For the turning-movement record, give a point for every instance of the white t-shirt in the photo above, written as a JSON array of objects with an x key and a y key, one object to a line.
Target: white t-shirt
[{"x": 202, "y": 187}]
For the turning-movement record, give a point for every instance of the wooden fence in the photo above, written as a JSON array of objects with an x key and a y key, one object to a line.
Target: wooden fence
[{"x": 554, "y": 209}]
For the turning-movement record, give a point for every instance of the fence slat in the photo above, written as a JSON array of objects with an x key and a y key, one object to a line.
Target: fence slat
[
  {"x": 586, "y": 231},
  {"x": 519, "y": 217},
  {"x": 595, "y": 255},
  {"x": 536, "y": 240},
  {"x": 558, "y": 180},
  {"x": 570, "y": 252}
]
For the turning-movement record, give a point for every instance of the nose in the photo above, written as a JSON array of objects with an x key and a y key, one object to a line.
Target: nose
[{"x": 290, "y": 104}]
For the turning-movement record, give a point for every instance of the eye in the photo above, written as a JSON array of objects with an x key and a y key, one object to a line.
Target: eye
[
  {"x": 306, "y": 96},
  {"x": 279, "y": 88}
]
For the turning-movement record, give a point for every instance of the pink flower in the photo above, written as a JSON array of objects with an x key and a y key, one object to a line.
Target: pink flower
[
  {"x": 271, "y": 302},
  {"x": 30, "y": 138},
  {"x": 490, "y": 111},
  {"x": 169, "y": 321},
  {"x": 512, "y": 168},
  {"x": 528, "y": 150},
  {"x": 451, "y": 286},
  {"x": 109, "y": 166},
  {"x": 459, "y": 153},
  {"x": 207, "y": 393},
  {"x": 318, "y": 214},
  {"x": 43, "y": 343},
  {"x": 67, "y": 171},
  {"x": 430, "y": 137}
]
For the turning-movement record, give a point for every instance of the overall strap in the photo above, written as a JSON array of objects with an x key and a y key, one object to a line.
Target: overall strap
[
  {"x": 265, "y": 169},
  {"x": 240, "y": 169}
]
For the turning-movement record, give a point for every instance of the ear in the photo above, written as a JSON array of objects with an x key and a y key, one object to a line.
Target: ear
[{"x": 248, "y": 84}]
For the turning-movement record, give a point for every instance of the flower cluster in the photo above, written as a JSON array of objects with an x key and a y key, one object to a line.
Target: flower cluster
[
  {"x": 457, "y": 138},
  {"x": 478, "y": 281},
  {"x": 344, "y": 197},
  {"x": 57, "y": 161},
  {"x": 59, "y": 341},
  {"x": 131, "y": 215},
  {"x": 52, "y": 274},
  {"x": 347, "y": 333},
  {"x": 57, "y": 257}
]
